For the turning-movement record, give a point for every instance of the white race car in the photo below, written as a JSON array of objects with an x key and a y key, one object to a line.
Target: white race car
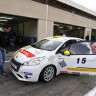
[{"x": 52, "y": 56}]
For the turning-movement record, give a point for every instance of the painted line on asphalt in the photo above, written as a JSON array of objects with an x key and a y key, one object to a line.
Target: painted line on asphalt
[{"x": 92, "y": 92}]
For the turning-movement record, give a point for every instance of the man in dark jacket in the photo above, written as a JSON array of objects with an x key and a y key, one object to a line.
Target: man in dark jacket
[
  {"x": 87, "y": 37},
  {"x": 3, "y": 38}
]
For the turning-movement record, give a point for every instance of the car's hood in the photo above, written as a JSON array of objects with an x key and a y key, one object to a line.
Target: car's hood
[{"x": 27, "y": 53}]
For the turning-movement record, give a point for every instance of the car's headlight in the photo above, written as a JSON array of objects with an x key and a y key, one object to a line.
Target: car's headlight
[{"x": 33, "y": 62}]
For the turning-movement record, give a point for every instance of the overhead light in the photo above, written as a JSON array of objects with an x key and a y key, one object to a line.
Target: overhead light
[
  {"x": 79, "y": 28},
  {"x": 6, "y": 18},
  {"x": 2, "y": 17},
  {"x": 60, "y": 27},
  {"x": 56, "y": 24},
  {"x": 9, "y": 18},
  {"x": 70, "y": 27},
  {"x": 3, "y": 20}
]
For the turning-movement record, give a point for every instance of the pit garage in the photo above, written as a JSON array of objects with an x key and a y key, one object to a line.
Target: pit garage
[
  {"x": 24, "y": 28},
  {"x": 93, "y": 35},
  {"x": 68, "y": 30}
]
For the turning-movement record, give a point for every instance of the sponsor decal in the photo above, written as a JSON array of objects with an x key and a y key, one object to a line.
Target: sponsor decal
[
  {"x": 28, "y": 74},
  {"x": 37, "y": 52},
  {"x": 51, "y": 59},
  {"x": 76, "y": 73},
  {"x": 17, "y": 56},
  {"x": 64, "y": 72},
  {"x": 25, "y": 52},
  {"x": 62, "y": 64}
]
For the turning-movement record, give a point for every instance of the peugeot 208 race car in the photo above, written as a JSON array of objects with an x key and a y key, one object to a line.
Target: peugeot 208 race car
[{"x": 42, "y": 60}]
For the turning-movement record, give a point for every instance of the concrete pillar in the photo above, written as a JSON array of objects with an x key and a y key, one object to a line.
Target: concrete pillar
[
  {"x": 50, "y": 28},
  {"x": 45, "y": 29},
  {"x": 87, "y": 31}
]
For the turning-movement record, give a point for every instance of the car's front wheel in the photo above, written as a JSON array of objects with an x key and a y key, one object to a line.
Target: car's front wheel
[{"x": 47, "y": 74}]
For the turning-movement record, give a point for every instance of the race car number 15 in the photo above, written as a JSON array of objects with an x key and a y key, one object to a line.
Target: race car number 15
[{"x": 79, "y": 60}]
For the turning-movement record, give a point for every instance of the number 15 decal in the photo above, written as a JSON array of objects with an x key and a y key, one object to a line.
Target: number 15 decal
[{"x": 83, "y": 60}]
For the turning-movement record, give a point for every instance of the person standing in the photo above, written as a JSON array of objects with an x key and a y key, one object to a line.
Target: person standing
[
  {"x": 3, "y": 38},
  {"x": 87, "y": 37}
]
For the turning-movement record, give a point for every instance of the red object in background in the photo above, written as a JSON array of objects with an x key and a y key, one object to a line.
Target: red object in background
[{"x": 93, "y": 47}]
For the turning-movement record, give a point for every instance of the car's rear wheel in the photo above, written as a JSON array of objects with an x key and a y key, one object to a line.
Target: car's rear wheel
[{"x": 47, "y": 74}]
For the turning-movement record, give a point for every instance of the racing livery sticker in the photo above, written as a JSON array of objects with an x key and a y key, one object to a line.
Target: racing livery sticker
[
  {"x": 64, "y": 72},
  {"x": 25, "y": 52},
  {"x": 51, "y": 59},
  {"x": 62, "y": 63},
  {"x": 76, "y": 73},
  {"x": 27, "y": 75},
  {"x": 37, "y": 52}
]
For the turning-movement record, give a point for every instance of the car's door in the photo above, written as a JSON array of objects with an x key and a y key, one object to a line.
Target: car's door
[
  {"x": 81, "y": 60},
  {"x": 61, "y": 58}
]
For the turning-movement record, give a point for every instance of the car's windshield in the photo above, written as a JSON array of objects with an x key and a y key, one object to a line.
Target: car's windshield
[{"x": 48, "y": 45}]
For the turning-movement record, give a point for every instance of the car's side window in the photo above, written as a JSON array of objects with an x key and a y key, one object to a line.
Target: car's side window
[
  {"x": 80, "y": 49},
  {"x": 66, "y": 46},
  {"x": 68, "y": 43}
]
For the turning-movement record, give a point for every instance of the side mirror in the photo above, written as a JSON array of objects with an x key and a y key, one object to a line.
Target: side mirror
[{"x": 67, "y": 53}]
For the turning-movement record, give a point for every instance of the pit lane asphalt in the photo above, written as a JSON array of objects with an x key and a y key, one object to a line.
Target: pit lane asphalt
[{"x": 62, "y": 85}]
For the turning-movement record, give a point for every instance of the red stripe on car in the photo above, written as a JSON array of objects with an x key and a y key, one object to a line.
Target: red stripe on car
[{"x": 25, "y": 52}]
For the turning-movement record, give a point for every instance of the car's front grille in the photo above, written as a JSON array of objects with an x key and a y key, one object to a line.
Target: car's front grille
[{"x": 16, "y": 64}]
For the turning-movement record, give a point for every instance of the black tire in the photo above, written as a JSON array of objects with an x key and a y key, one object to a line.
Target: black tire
[{"x": 47, "y": 74}]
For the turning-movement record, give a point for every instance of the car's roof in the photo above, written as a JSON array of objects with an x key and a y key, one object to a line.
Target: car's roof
[{"x": 62, "y": 38}]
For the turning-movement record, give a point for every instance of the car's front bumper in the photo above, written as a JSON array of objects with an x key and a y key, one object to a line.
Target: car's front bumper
[{"x": 27, "y": 73}]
